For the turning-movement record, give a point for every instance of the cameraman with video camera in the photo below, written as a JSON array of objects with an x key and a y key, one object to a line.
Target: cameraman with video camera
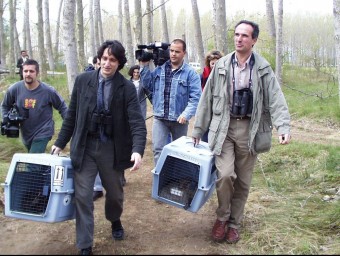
[
  {"x": 28, "y": 106},
  {"x": 175, "y": 91}
]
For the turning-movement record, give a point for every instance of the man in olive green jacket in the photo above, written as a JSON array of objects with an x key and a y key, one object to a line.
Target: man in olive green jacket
[{"x": 240, "y": 104}]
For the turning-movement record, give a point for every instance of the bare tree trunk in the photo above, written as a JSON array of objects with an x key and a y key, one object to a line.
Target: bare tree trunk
[
  {"x": 270, "y": 18},
  {"x": 100, "y": 24},
  {"x": 57, "y": 31},
  {"x": 336, "y": 12},
  {"x": 221, "y": 26},
  {"x": 271, "y": 25},
  {"x": 198, "y": 33},
  {"x": 13, "y": 56},
  {"x": 48, "y": 35},
  {"x": 165, "y": 34},
  {"x": 129, "y": 47},
  {"x": 139, "y": 23},
  {"x": 69, "y": 43},
  {"x": 28, "y": 30},
  {"x": 214, "y": 22},
  {"x": 120, "y": 21},
  {"x": 41, "y": 44},
  {"x": 16, "y": 34},
  {"x": 81, "y": 38},
  {"x": 93, "y": 49},
  {"x": 96, "y": 23},
  {"x": 149, "y": 22},
  {"x": 279, "y": 43},
  {"x": 2, "y": 35}
]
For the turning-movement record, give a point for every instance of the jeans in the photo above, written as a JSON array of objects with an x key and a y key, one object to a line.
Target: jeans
[{"x": 160, "y": 132}]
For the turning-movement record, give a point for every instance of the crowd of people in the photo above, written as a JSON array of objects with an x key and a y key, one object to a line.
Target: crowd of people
[{"x": 236, "y": 101}]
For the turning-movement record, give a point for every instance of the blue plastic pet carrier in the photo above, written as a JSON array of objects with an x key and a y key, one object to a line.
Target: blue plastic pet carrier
[{"x": 39, "y": 187}]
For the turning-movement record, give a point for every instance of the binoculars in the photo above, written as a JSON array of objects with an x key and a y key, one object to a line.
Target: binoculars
[{"x": 242, "y": 102}]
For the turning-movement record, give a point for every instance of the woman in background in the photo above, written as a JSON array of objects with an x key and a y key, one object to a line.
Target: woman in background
[{"x": 210, "y": 60}]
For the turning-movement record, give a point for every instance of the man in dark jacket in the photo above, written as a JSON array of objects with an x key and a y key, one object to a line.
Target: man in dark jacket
[
  {"x": 108, "y": 135},
  {"x": 23, "y": 57}
]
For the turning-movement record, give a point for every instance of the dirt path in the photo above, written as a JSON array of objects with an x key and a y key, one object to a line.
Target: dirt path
[{"x": 151, "y": 227}]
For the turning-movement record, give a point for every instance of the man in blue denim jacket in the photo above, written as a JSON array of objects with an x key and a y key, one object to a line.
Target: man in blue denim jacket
[{"x": 175, "y": 91}]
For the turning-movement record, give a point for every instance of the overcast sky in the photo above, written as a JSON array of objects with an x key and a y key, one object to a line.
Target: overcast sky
[{"x": 249, "y": 6}]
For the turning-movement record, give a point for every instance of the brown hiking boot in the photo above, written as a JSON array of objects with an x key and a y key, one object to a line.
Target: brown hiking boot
[
  {"x": 232, "y": 236},
  {"x": 218, "y": 231}
]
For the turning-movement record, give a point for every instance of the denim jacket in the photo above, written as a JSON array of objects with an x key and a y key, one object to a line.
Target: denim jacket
[{"x": 184, "y": 95}]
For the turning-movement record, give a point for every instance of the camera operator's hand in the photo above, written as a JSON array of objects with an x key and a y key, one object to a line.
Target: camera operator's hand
[
  {"x": 181, "y": 119},
  {"x": 55, "y": 150}
]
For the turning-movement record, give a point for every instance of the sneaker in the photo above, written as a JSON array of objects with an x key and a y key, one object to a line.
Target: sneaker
[
  {"x": 86, "y": 251},
  {"x": 97, "y": 195},
  {"x": 117, "y": 230}
]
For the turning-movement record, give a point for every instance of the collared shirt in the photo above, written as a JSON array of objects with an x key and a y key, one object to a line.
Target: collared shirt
[
  {"x": 106, "y": 89},
  {"x": 241, "y": 74},
  {"x": 168, "y": 78}
]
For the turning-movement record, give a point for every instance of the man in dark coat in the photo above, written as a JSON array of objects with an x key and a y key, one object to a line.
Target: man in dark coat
[
  {"x": 108, "y": 134},
  {"x": 20, "y": 61}
]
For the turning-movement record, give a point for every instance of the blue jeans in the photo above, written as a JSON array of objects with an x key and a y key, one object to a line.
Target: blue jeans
[{"x": 160, "y": 132}]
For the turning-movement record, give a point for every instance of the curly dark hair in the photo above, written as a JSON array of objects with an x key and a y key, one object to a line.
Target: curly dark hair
[
  {"x": 116, "y": 49},
  {"x": 214, "y": 54},
  {"x": 130, "y": 73}
]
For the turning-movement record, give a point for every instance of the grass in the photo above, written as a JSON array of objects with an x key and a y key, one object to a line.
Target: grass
[{"x": 286, "y": 212}]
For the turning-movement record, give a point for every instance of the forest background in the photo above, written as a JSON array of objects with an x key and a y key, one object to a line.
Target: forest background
[
  {"x": 293, "y": 207},
  {"x": 68, "y": 39}
]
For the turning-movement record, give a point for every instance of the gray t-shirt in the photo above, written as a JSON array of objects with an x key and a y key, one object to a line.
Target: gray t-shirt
[{"x": 40, "y": 103}]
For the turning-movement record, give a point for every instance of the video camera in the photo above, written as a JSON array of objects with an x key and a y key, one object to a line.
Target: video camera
[
  {"x": 160, "y": 53},
  {"x": 11, "y": 123}
]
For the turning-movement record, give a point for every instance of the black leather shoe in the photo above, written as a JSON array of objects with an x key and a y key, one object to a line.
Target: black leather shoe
[
  {"x": 97, "y": 194},
  {"x": 117, "y": 230},
  {"x": 86, "y": 251}
]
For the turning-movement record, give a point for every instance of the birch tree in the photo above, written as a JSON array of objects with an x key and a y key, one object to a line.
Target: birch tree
[
  {"x": 69, "y": 42},
  {"x": 47, "y": 33},
  {"x": 2, "y": 35},
  {"x": 57, "y": 31},
  {"x": 221, "y": 26},
  {"x": 149, "y": 21},
  {"x": 80, "y": 32},
  {"x": 336, "y": 13},
  {"x": 198, "y": 33},
  {"x": 214, "y": 22},
  {"x": 27, "y": 28},
  {"x": 279, "y": 43},
  {"x": 92, "y": 30},
  {"x": 98, "y": 14},
  {"x": 129, "y": 47},
  {"x": 12, "y": 23},
  {"x": 120, "y": 21},
  {"x": 165, "y": 33},
  {"x": 271, "y": 24},
  {"x": 41, "y": 44},
  {"x": 96, "y": 23},
  {"x": 138, "y": 22}
]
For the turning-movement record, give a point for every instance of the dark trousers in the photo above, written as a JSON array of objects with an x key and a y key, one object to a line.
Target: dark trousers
[
  {"x": 98, "y": 156},
  {"x": 38, "y": 145}
]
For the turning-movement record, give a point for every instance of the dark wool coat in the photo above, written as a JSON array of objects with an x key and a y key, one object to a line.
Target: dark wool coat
[{"x": 128, "y": 125}]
